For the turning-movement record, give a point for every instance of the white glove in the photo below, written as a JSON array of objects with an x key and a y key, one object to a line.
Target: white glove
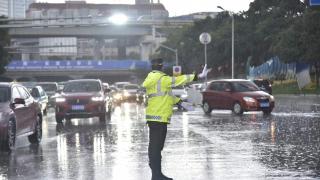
[
  {"x": 187, "y": 106},
  {"x": 204, "y": 72}
]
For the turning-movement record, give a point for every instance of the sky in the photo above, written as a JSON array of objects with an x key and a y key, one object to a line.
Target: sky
[{"x": 181, "y": 7}]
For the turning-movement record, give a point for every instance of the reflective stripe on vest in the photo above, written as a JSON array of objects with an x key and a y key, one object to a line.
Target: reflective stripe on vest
[
  {"x": 173, "y": 83},
  {"x": 158, "y": 118},
  {"x": 188, "y": 77},
  {"x": 159, "y": 93}
]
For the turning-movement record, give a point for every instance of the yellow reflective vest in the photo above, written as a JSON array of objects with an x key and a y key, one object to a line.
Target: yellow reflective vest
[{"x": 160, "y": 97}]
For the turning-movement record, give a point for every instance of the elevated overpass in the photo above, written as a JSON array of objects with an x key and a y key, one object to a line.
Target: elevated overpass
[
  {"x": 140, "y": 33},
  {"x": 27, "y": 28},
  {"x": 143, "y": 32}
]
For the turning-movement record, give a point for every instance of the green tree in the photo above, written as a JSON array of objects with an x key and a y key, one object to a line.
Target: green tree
[
  {"x": 299, "y": 42},
  {"x": 285, "y": 28}
]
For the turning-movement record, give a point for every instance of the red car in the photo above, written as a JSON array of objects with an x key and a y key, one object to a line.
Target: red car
[
  {"x": 237, "y": 95},
  {"x": 83, "y": 98},
  {"x": 20, "y": 115}
]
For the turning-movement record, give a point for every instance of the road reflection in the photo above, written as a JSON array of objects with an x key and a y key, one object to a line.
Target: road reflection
[
  {"x": 21, "y": 162},
  {"x": 281, "y": 146},
  {"x": 103, "y": 148},
  {"x": 290, "y": 143},
  {"x": 220, "y": 146}
]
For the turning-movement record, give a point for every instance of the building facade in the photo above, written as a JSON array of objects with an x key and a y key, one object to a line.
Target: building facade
[
  {"x": 4, "y": 8},
  {"x": 18, "y": 8}
]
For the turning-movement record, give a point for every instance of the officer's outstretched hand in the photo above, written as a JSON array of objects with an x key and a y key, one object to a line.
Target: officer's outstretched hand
[{"x": 204, "y": 72}]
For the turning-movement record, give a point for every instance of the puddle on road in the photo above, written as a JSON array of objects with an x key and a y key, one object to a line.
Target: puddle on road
[
  {"x": 296, "y": 114},
  {"x": 284, "y": 145}
]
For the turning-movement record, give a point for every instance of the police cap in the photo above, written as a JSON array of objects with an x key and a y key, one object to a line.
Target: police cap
[{"x": 157, "y": 61}]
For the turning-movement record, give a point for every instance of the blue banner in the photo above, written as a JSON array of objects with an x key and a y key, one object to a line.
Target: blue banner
[
  {"x": 77, "y": 65},
  {"x": 275, "y": 69},
  {"x": 314, "y": 2}
]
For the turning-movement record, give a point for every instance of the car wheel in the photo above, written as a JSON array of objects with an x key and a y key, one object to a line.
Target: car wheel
[
  {"x": 109, "y": 113},
  {"x": 68, "y": 118},
  {"x": 206, "y": 108},
  {"x": 45, "y": 111},
  {"x": 59, "y": 119},
  {"x": 9, "y": 143},
  {"x": 36, "y": 137},
  {"x": 267, "y": 112},
  {"x": 102, "y": 117},
  {"x": 237, "y": 109}
]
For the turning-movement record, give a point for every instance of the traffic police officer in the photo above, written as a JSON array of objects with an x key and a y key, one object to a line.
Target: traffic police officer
[{"x": 160, "y": 108}]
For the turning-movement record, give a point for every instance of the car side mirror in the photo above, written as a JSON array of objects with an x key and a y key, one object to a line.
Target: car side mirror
[
  {"x": 19, "y": 101},
  {"x": 107, "y": 90},
  {"x": 262, "y": 88}
]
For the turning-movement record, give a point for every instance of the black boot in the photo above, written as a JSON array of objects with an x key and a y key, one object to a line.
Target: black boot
[
  {"x": 163, "y": 177},
  {"x": 160, "y": 177},
  {"x": 157, "y": 175}
]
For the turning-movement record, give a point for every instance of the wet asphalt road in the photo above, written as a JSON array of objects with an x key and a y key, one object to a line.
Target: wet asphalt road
[{"x": 284, "y": 145}]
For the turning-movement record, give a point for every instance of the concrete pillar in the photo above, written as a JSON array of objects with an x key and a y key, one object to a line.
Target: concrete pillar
[
  {"x": 145, "y": 51},
  {"x": 122, "y": 50},
  {"x": 25, "y": 56}
]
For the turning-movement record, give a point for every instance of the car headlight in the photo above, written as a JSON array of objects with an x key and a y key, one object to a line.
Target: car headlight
[
  {"x": 184, "y": 96},
  {"x": 249, "y": 99},
  {"x": 126, "y": 94},
  {"x": 271, "y": 98},
  {"x": 98, "y": 98},
  {"x": 54, "y": 96},
  {"x": 60, "y": 99},
  {"x": 117, "y": 96}
]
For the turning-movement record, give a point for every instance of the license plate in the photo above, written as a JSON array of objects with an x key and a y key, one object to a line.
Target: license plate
[
  {"x": 77, "y": 107},
  {"x": 264, "y": 104}
]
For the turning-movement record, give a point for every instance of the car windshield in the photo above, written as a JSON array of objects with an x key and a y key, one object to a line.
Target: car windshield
[
  {"x": 4, "y": 94},
  {"x": 120, "y": 86},
  {"x": 49, "y": 87},
  {"x": 82, "y": 86},
  {"x": 245, "y": 86},
  {"x": 131, "y": 87}
]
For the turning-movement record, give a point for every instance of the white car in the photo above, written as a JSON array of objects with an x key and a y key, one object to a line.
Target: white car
[
  {"x": 180, "y": 92},
  {"x": 194, "y": 93},
  {"x": 120, "y": 85}
]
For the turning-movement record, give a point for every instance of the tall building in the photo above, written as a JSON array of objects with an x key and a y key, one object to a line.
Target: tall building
[
  {"x": 4, "y": 8},
  {"x": 18, "y": 8}
]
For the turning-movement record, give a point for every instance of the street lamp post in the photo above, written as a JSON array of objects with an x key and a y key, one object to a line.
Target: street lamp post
[
  {"x": 232, "y": 41},
  {"x": 205, "y": 39},
  {"x": 172, "y": 50},
  {"x": 154, "y": 32},
  {"x": 232, "y": 47}
]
